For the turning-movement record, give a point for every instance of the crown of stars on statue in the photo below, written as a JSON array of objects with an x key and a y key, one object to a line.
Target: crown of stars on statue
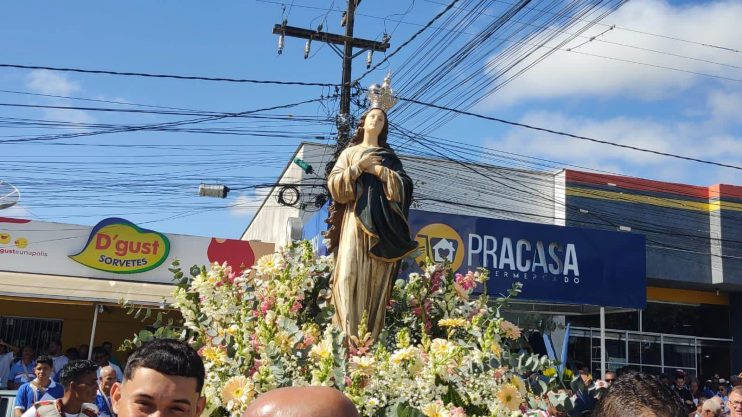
[{"x": 382, "y": 96}]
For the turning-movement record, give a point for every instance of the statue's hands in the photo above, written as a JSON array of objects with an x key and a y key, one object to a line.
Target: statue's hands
[{"x": 368, "y": 162}]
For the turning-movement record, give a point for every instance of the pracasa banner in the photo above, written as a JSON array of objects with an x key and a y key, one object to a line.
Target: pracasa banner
[
  {"x": 558, "y": 264},
  {"x": 555, "y": 263},
  {"x": 114, "y": 249}
]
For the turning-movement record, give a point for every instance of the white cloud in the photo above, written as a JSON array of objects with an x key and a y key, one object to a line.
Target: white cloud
[
  {"x": 49, "y": 82},
  {"x": 567, "y": 74},
  {"x": 682, "y": 139},
  {"x": 248, "y": 204}
]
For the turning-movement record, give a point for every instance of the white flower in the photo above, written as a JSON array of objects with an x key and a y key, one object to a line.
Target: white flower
[
  {"x": 321, "y": 350},
  {"x": 363, "y": 365},
  {"x": 435, "y": 409},
  {"x": 238, "y": 389}
]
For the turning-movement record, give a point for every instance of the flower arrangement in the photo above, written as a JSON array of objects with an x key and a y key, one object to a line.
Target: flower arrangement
[{"x": 446, "y": 350}]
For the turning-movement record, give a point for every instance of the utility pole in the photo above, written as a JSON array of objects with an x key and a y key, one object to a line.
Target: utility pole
[{"x": 349, "y": 43}]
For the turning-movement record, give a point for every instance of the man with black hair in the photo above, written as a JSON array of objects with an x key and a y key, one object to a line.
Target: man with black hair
[
  {"x": 55, "y": 351},
  {"x": 683, "y": 392},
  {"x": 108, "y": 347},
  {"x": 164, "y": 378},
  {"x": 638, "y": 394},
  {"x": 23, "y": 370},
  {"x": 102, "y": 358},
  {"x": 40, "y": 388},
  {"x": 80, "y": 386}
]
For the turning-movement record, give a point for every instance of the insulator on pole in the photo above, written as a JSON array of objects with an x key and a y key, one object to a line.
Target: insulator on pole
[{"x": 280, "y": 43}]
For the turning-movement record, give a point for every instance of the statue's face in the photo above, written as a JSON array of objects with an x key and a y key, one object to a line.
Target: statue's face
[{"x": 374, "y": 122}]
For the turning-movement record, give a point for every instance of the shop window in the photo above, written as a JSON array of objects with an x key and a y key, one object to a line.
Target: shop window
[
  {"x": 34, "y": 332},
  {"x": 627, "y": 320},
  {"x": 703, "y": 320}
]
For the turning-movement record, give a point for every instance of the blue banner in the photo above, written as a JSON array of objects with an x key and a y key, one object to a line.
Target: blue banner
[{"x": 555, "y": 263}]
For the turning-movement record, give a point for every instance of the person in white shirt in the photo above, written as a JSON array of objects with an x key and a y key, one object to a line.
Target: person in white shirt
[
  {"x": 103, "y": 399},
  {"x": 7, "y": 353},
  {"x": 55, "y": 351}
]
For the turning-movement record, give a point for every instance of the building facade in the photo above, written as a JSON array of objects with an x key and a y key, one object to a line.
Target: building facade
[{"x": 693, "y": 250}]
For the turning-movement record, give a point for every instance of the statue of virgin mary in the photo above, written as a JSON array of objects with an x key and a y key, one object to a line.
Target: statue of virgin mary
[{"x": 368, "y": 230}]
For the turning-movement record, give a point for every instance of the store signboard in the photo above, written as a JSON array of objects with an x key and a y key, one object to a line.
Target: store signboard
[
  {"x": 114, "y": 249},
  {"x": 556, "y": 264}
]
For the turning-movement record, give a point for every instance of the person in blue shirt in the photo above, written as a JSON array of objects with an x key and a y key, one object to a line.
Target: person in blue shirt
[
  {"x": 40, "y": 388},
  {"x": 103, "y": 400},
  {"x": 23, "y": 370}
]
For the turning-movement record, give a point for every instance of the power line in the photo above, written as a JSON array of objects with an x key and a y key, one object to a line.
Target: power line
[
  {"x": 407, "y": 42},
  {"x": 705, "y": 44},
  {"x": 556, "y": 132},
  {"x": 171, "y": 76}
]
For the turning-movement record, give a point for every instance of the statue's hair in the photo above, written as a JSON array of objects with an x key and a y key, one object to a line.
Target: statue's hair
[{"x": 337, "y": 211}]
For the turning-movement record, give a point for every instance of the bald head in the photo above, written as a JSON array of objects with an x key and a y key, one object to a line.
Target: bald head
[
  {"x": 106, "y": 379},
  {"x": 302, "y": 402}
]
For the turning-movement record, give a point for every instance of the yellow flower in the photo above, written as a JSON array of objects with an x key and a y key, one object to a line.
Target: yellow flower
[
  {"x": 496, "y": 349},
  {"x": 214, "y": 354},
  {"x": 238, "y": 389},
  {"x": 550, "y": 372},
  {"x": 518, "y": 384},
  {"x": 322, "y": 350},
  {"x": 509, "y": 397},
  {"x": 233, "y": 329},
  {"x": 435, "y": 409},
  {"x": 458, "y": 322}
]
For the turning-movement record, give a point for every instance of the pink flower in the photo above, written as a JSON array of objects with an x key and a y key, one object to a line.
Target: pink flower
[
  {"x": 309, "y": 340},
  {"x": 467, "y": 281},
  {"x": 254, "y": 342},
  {"x": 266, "y": 305},
  {"x": 255, "y": 367},
  {"x": 435, "y": 281},
  {"x": 458, "y": 412},
  {"x": 296, "y": 307}
]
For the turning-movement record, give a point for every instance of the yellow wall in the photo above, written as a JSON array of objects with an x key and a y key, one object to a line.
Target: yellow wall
[{"x": 113, "y": 324}]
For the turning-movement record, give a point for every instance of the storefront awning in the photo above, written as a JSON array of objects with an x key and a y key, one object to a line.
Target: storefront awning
[{"x": 37, "y": 286}]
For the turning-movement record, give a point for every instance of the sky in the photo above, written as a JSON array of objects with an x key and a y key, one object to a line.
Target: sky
[{"x": 666, "y": 77}]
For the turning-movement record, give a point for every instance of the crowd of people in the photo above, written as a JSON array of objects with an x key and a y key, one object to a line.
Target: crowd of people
[
  {"x": 710, "y": 399},
  {"x": 164, "y": 378},
  {"x": 47, "y": 377}
]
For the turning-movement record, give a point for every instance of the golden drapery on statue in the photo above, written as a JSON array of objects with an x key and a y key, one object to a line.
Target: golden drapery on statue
[{"x": 371, "y": 196}]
